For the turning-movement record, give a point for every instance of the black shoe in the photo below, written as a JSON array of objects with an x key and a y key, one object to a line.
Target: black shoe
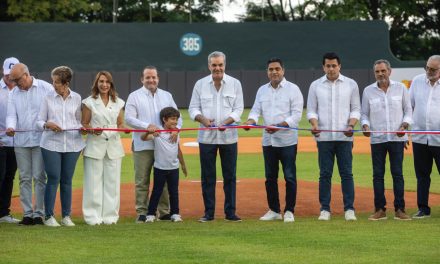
[
  {"x": 166, "y": 217},
  {"x": 233, "y": 218},
  {"x": 205, "y": 219},
  {"x": 38, "y": 221},
  {"x": 420, "y": 215},
  {"x": 141, "y": 219},
  {"x": 26, "y": 221}
]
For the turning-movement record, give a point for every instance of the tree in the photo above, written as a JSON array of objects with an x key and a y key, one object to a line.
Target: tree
[{"x": 414, "y": 26}]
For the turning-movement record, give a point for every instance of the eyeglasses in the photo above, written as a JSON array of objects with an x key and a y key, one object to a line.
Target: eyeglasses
[
  {"x": 429, "y": 69},
  {"x": 18, "y": 79}
]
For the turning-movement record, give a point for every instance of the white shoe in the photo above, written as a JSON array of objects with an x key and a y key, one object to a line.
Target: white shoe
[
  {"x": 350, "y": 216},
  {"x": 324, "y": 216},
  {"x": 9, "y": 219},
  {"x": 51, "y": 222},
  {"x": 150, "y": 219},
  {"x": 270, "y": 216},
  {"x": 176, "y": 218},
  {"x": 288, "y": 217},
  {"x": 67, "y": 221}
]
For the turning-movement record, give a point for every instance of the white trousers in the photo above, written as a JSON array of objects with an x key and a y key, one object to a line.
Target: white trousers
[{"x": 101, "y": 192}]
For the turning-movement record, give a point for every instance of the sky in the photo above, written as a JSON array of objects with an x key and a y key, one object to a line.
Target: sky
[{"x": 228, "y": 11}]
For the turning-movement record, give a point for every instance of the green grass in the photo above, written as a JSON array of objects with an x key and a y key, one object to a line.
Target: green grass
[{"x": 305, "y": 241}]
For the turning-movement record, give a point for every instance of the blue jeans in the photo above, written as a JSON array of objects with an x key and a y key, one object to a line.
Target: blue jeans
[
  {"x": 423, "y": 160},
  {"x": 272, "y": 157},
  {"x": 59, "y": 167},
  {"x": 228, "y": 156},
  {"x": 171, "y": 178},
  {"x": 8, "y": 167},
  {"x": 327, "y": 150},
  {"x": 378, "y": 157}
]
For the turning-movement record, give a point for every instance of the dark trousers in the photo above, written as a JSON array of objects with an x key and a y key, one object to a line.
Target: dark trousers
[
  {"x": 287, "y": 157},
  {"x": 378, "y": 157},
  {"x": 8, "y": 167},
  {"x": 327, "y": 150},
  {"x": 171, "y": 178},
  {"x": 423, "y": 157},
  {"x": 228, "y": 156}
]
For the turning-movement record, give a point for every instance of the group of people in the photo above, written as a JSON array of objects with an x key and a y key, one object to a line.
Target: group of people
[{"x": 41, "y": 128}]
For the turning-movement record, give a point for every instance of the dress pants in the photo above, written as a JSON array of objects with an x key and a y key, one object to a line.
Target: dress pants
[
  {"x": 143, "y": 163},
  {"x": 101, "y": 192},
  {"x": 31, "y": 167},
  {"x": 8, "y": 167}
]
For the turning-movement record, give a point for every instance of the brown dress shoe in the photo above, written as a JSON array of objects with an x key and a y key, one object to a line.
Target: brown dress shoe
[
  {"x": 401, "y": 215},
  {"x": 378, "y": 215}
]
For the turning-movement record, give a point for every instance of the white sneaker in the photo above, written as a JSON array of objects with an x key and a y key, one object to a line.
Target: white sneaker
[
  {"x": 9, "y": 219},
  {"x": 324, "y": 216},
  {"x": 150, "y": 219},
  {"x": 51, "y": 222},
  {"x": 288, "y": 217},
  {"x": 350, "y": 216},
  {"x": 67, "y": 221},
  {"x": 270, "y": 216},
  {"x": 176, "y": 218}
]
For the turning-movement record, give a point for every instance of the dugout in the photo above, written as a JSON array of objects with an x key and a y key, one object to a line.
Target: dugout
[{"x": 180, "y": 51}]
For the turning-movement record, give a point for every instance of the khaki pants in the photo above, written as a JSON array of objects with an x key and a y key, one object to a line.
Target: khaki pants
[{"x": 143, "y": 162}]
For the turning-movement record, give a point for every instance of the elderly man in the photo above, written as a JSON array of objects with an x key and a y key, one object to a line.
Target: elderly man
[
  {"x": 333, "y": 104},
  {"x": 280, "y": 102},
  {"x": 23, "y": 108},
  {"x": 425, "y": 100},
  {"x": 217, "y": 100},
  {"x": 8, "y": 163},
  {"x": 142, "y": 112},
  {"x": 386, "y": 106}
]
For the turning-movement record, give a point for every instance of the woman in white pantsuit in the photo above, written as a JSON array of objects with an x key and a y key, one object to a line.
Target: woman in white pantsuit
[{"x": 103, "y": 153}]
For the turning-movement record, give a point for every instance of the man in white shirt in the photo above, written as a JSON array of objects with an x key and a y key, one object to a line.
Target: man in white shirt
[
  {"x": 425, "y": 100},
  {"x": 280, "y": 102},
  {"x": 142, "y": 112},
  {"x": 217, "y": 100},
  {"x": 333, "y": 104},
  {"x": 386, "y": 106},
  {"x": 23, "y": 109},
  {"x": 8, "y": 163}
]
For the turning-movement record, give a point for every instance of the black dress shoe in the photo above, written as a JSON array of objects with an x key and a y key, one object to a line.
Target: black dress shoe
[
  {"x": 166, "y": 217},
  {"x": 233, "y": 218},
  {"x": 206, "y": 218},
  {"x": 26, "y": 221},
  {"x": 420, "y": 215},
  {"x": 38, "y": 221}
]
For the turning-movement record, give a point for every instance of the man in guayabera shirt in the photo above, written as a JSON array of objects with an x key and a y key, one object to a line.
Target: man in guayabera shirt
[
  {"x": 217, "y": 100},
  {"x": 386, "y": 107},
  {"x": 23, "y": 109},
  {"x": 280, "y": 102},
  {"x": 333, "y": 104},
  {"x": 425, "y": 100}
]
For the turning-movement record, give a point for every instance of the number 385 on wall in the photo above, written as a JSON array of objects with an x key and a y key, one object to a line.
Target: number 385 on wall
[{"x": 191, "y": 44}]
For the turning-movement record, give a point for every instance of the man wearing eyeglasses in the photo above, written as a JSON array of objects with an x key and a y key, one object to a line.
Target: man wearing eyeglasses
[
  {"x": 425, "y": 100},
  {"x": 23, "y": 108}
]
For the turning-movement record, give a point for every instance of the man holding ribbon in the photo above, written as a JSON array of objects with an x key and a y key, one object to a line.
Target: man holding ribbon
[
  {"x": 217, "y": 101},
  {"x": 386, "y": 106},
  {"x": 280, "y": 102}
]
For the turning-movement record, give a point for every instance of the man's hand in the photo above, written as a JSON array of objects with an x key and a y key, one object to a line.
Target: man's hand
[
  {"x": 404, "y": 126},
  {"x": 183, "y": 166},
  {"x": 349, "y": 131},
  {"x": 366, "y": 130},
  {"x": 52, "y": 126},
  {"x": 315, "y": 130},
  {"x": 250, "y": 122},
  {"x": 272, "y": 130},
  {"x": 173, "y": 136},
  {"x": 10, "y": 132},
  {"x": 152, "y": 128}
]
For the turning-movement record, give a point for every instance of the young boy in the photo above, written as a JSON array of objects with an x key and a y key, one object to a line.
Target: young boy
[{"x": 167, "y": 156}]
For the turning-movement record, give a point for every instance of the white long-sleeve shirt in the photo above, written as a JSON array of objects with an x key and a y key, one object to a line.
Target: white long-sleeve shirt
[
  {"x": 333, "y": 104},
  {"x": 23, "y": 110},
  {"x": 386, "y": 111},
  {"x": 142, "y": 109},
  {"x": 425, "y": 100},
  {"x": 4, "y": 95},
  {"x": 218, "y": 105},
  {"x": 276, "y": 105},
  {"x": 67, "y": 115}
]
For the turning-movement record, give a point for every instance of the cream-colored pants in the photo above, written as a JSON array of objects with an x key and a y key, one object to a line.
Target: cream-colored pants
[{"x": 101, "y": 192}]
